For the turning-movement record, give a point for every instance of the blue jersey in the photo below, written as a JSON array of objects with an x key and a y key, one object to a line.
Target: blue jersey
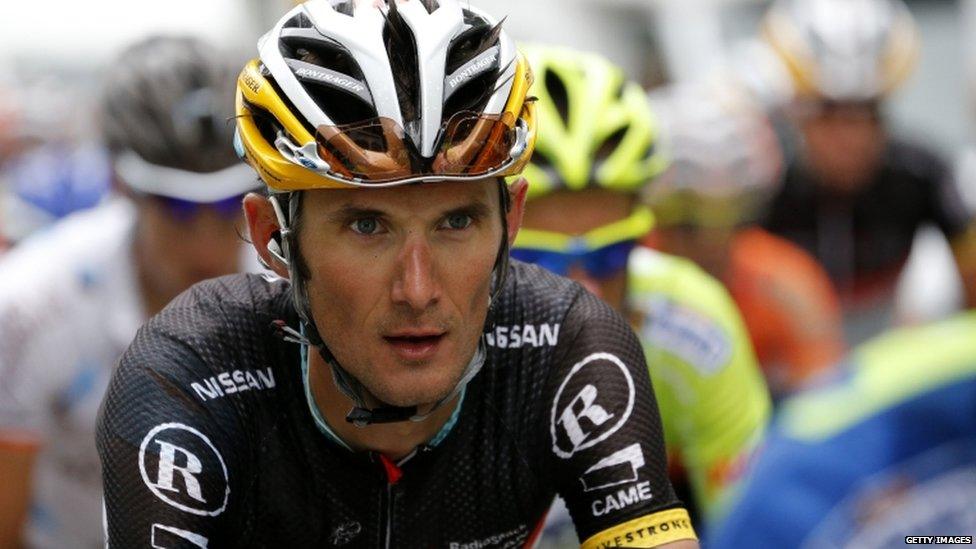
[{"x": 888, "y": 451}]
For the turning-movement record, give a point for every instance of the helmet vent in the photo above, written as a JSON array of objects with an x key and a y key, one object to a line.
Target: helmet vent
[
  {"x": 345, "y": 7},
  {"x": 558, "y": 94},
  {"x": 471, "y": 43},
  {"x": 401, "y": 48},
  {"x": 431, "y": 5},
  {"x": 466, "y": 49},
  {"x": 618, "y": 94},
  {"x": 611, "y": 143}
]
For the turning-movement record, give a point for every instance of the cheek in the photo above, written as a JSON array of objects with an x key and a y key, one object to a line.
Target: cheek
[
  {"x": 345, "y": 284},
  {"x": 466, "y": 274}
]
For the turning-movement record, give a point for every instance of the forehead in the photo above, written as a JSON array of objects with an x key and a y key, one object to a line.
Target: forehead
[
  {"x": 576, "y": 212},
  {"x": 407, "y": 200}
]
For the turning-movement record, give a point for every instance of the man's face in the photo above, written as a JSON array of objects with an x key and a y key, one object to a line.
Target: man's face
[
  {"x": 576, "y": 213},
  {"x": 180, "y": 245},
  {"x": 400, "y": 280},
  {"x": 843, "y": 144}
]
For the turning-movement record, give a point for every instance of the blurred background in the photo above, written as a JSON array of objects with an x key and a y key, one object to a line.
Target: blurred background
[
  {"x": 49, "y": 73},
  {"x": 52, "y": 164}
]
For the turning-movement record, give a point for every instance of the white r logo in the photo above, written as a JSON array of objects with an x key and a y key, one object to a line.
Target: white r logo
[
  {"x": 190, "y": 473},
  {"x": 596, "y": 414},
  {"x": 167, "y": 465},
  {"x": 593, "y": 391}
]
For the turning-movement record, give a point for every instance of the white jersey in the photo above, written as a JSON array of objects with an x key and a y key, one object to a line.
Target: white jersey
[{"x": 69, "y": 307}]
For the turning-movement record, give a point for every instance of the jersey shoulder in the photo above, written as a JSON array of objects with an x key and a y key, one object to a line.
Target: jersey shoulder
[
  {"x": 683, "y": 310},
  {"x": 68, "y": 295},
  {"x": 225, "y": 323},
  {"x": 883, "y": 373},
  {"x": 914, "y": 159},
  {"x": 770, "y": 271},
  {"x": 212, "y": 346},
  {"x": 913, "y": 388},
  {"x": 964, "y": 180},
  {"x": 530, "y": 313},
  {"x": 51, "y": 269}
]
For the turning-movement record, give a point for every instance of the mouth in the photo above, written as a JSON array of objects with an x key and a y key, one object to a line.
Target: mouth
[{"x": 416, "y": 346}]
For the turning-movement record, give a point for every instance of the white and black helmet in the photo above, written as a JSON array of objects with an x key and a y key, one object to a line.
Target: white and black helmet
[
  {"x": 844, "y": 50},
  {"x": 384, "y": 93},
  {"x": 165, "y": 113}
]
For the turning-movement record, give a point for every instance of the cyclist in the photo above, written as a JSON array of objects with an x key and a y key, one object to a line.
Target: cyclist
[
  {"x": 725, "y": 167},
  {"x": 885, "y": 451},
  {"x": 74, "y": 296},
  {"x": 583, "y": 220},
  {"x": 857, "y": 195},
  {"x": 48, "y": 183},
  {"x": 423, "y": 391}
]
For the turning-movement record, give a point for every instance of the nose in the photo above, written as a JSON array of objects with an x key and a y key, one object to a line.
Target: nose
[
  {"x": 584, "y": 279},
  {"x": 416, "y": 285}
]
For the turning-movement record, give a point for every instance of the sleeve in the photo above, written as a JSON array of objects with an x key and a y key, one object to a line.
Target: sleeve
[
  {"x": 169, "y": 462},
  {"x": 952, "y": 199},
  {"x": 813, "y": 341},
  {"x": 711, "y": 392},
  {"x": 607, "y": 443},
  {"x": 29, "y": 372}
]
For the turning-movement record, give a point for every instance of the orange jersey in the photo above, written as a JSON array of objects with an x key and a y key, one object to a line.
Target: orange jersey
[{"x": 789, "y": 305}]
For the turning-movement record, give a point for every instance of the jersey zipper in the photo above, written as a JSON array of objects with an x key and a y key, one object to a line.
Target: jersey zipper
[
  {"x": 393, "y": 475},
  {"x": 389, "y": 513}
]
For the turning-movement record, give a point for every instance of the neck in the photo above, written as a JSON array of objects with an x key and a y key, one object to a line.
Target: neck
[
  {"x": 153, "y": 299},
  {"x": 395, "y": 440}
]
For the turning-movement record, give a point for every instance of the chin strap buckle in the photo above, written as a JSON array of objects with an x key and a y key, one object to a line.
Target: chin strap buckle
[{"x": 361, "y": 417}]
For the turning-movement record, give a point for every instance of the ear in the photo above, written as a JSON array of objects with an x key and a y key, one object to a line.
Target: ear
[
  {"x": 518, "y": 191},
  {"x": 262, "y": 226}
]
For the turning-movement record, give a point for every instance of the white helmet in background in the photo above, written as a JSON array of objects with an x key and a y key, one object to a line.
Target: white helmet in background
[
  {"x": 844, "y": 50},
  {"x": 726, "y": 160},
  {"x": 759, "y": 70}
]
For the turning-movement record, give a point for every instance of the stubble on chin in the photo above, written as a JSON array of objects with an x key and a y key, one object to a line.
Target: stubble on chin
[{"x": 416, "y": 392}]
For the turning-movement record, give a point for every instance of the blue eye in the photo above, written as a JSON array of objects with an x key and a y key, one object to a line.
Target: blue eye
[
  {"x": 458, "y": 221},
  {"x": 365, "y": 226}
]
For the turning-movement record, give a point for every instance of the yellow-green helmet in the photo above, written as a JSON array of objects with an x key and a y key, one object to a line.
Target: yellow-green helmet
[{"x": 596, "y": 127}]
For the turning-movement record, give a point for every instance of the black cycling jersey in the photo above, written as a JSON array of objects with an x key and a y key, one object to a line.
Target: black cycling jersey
[
  {"x": 207, "y": 439},
  {"x": 863, "y": 240}
]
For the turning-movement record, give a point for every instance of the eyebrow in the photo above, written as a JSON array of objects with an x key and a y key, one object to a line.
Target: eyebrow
[
  {"x": 348, "y": 212},
  {"x": 475, "y": 208}
]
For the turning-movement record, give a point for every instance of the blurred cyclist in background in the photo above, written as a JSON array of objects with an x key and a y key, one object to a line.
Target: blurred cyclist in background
[
  {"x": 73, "y": 298},
  {"x": 885, "y": 452},
  {"x": 583, "y": 220},
  {"x": 49, "y": 166},
  {"x": 48, "y": 183},
  {"x": 725, "y": 166},
  {"x": 856, "y": 195}
]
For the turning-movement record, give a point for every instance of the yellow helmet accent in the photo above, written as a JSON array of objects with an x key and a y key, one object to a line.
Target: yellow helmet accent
[
  {"x": 274, "y": 169},
  {"x": 257, "y": 97}
]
